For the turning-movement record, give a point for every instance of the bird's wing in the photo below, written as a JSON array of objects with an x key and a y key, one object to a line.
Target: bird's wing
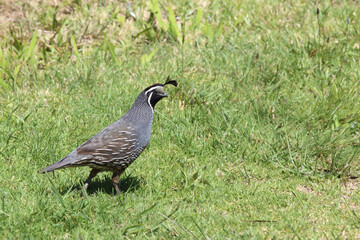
[
  {"x": 116, "y": 142},
  {"x": 108, "y": 144}
]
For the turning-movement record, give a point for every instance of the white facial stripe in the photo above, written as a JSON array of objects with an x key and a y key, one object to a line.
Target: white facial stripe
[
  {"x": 149, "y": 101},
  {"x": 151, "y": 89}
]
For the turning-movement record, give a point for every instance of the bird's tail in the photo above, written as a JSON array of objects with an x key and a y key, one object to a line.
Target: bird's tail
[
  {"x": 65, "y": 162},
  {"x": 52, "y": 167}
]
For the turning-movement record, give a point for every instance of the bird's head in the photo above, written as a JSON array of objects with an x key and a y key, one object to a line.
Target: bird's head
[{"x": 156, "y": 92}]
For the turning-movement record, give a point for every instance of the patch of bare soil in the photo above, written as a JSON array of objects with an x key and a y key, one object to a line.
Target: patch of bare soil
[
  {"x": 16, "y": 11},
  {"x": 307, "y": 190},
  {"x": 10, "y": 12},
  {"x": 351, "y": 187}
]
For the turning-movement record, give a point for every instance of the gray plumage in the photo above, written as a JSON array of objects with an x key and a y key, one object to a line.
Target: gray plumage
[{"x": 119, "y": 144}]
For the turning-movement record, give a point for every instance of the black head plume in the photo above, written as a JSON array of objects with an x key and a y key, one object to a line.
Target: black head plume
[{"x": 169, "y": 81}]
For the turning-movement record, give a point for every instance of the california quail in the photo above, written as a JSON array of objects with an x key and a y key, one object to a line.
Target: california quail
[{"x": 119, "y": 144}]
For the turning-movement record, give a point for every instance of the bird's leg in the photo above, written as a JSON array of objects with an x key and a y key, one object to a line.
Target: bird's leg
[
  {"x": 91, "y": 176},
  {"x": 115, "y": 180}
]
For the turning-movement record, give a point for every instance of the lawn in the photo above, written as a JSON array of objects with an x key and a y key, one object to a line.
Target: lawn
[{"x": 259, "y": 140}]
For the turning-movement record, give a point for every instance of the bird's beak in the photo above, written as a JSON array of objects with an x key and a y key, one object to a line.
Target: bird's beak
[{"x": 165, "y": 95}]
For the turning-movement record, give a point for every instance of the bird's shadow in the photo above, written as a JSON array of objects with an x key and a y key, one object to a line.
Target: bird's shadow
[{"x": 126, "y": 184}]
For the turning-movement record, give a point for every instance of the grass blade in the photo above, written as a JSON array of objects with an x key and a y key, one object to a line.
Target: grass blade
[
  {"x": 56, "y": 193},
  {"x": 29, "y": 50},
  {"x": 198, "y": 17},
  {"x": 173, "y": 26},
  {"x": 74, "y": 45}
]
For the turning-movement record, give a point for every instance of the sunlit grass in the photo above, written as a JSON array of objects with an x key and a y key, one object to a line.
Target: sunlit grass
[{"x": 260, "y": 139}]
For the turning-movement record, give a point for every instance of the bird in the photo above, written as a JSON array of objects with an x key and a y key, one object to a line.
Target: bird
[{"x": 118, "y": 145}]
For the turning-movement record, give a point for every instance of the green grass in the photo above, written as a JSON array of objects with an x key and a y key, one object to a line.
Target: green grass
[{"x": 260, "y": 139}]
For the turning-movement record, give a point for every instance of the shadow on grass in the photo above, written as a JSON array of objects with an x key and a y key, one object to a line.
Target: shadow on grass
[{"x": 126, "y": 184}]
